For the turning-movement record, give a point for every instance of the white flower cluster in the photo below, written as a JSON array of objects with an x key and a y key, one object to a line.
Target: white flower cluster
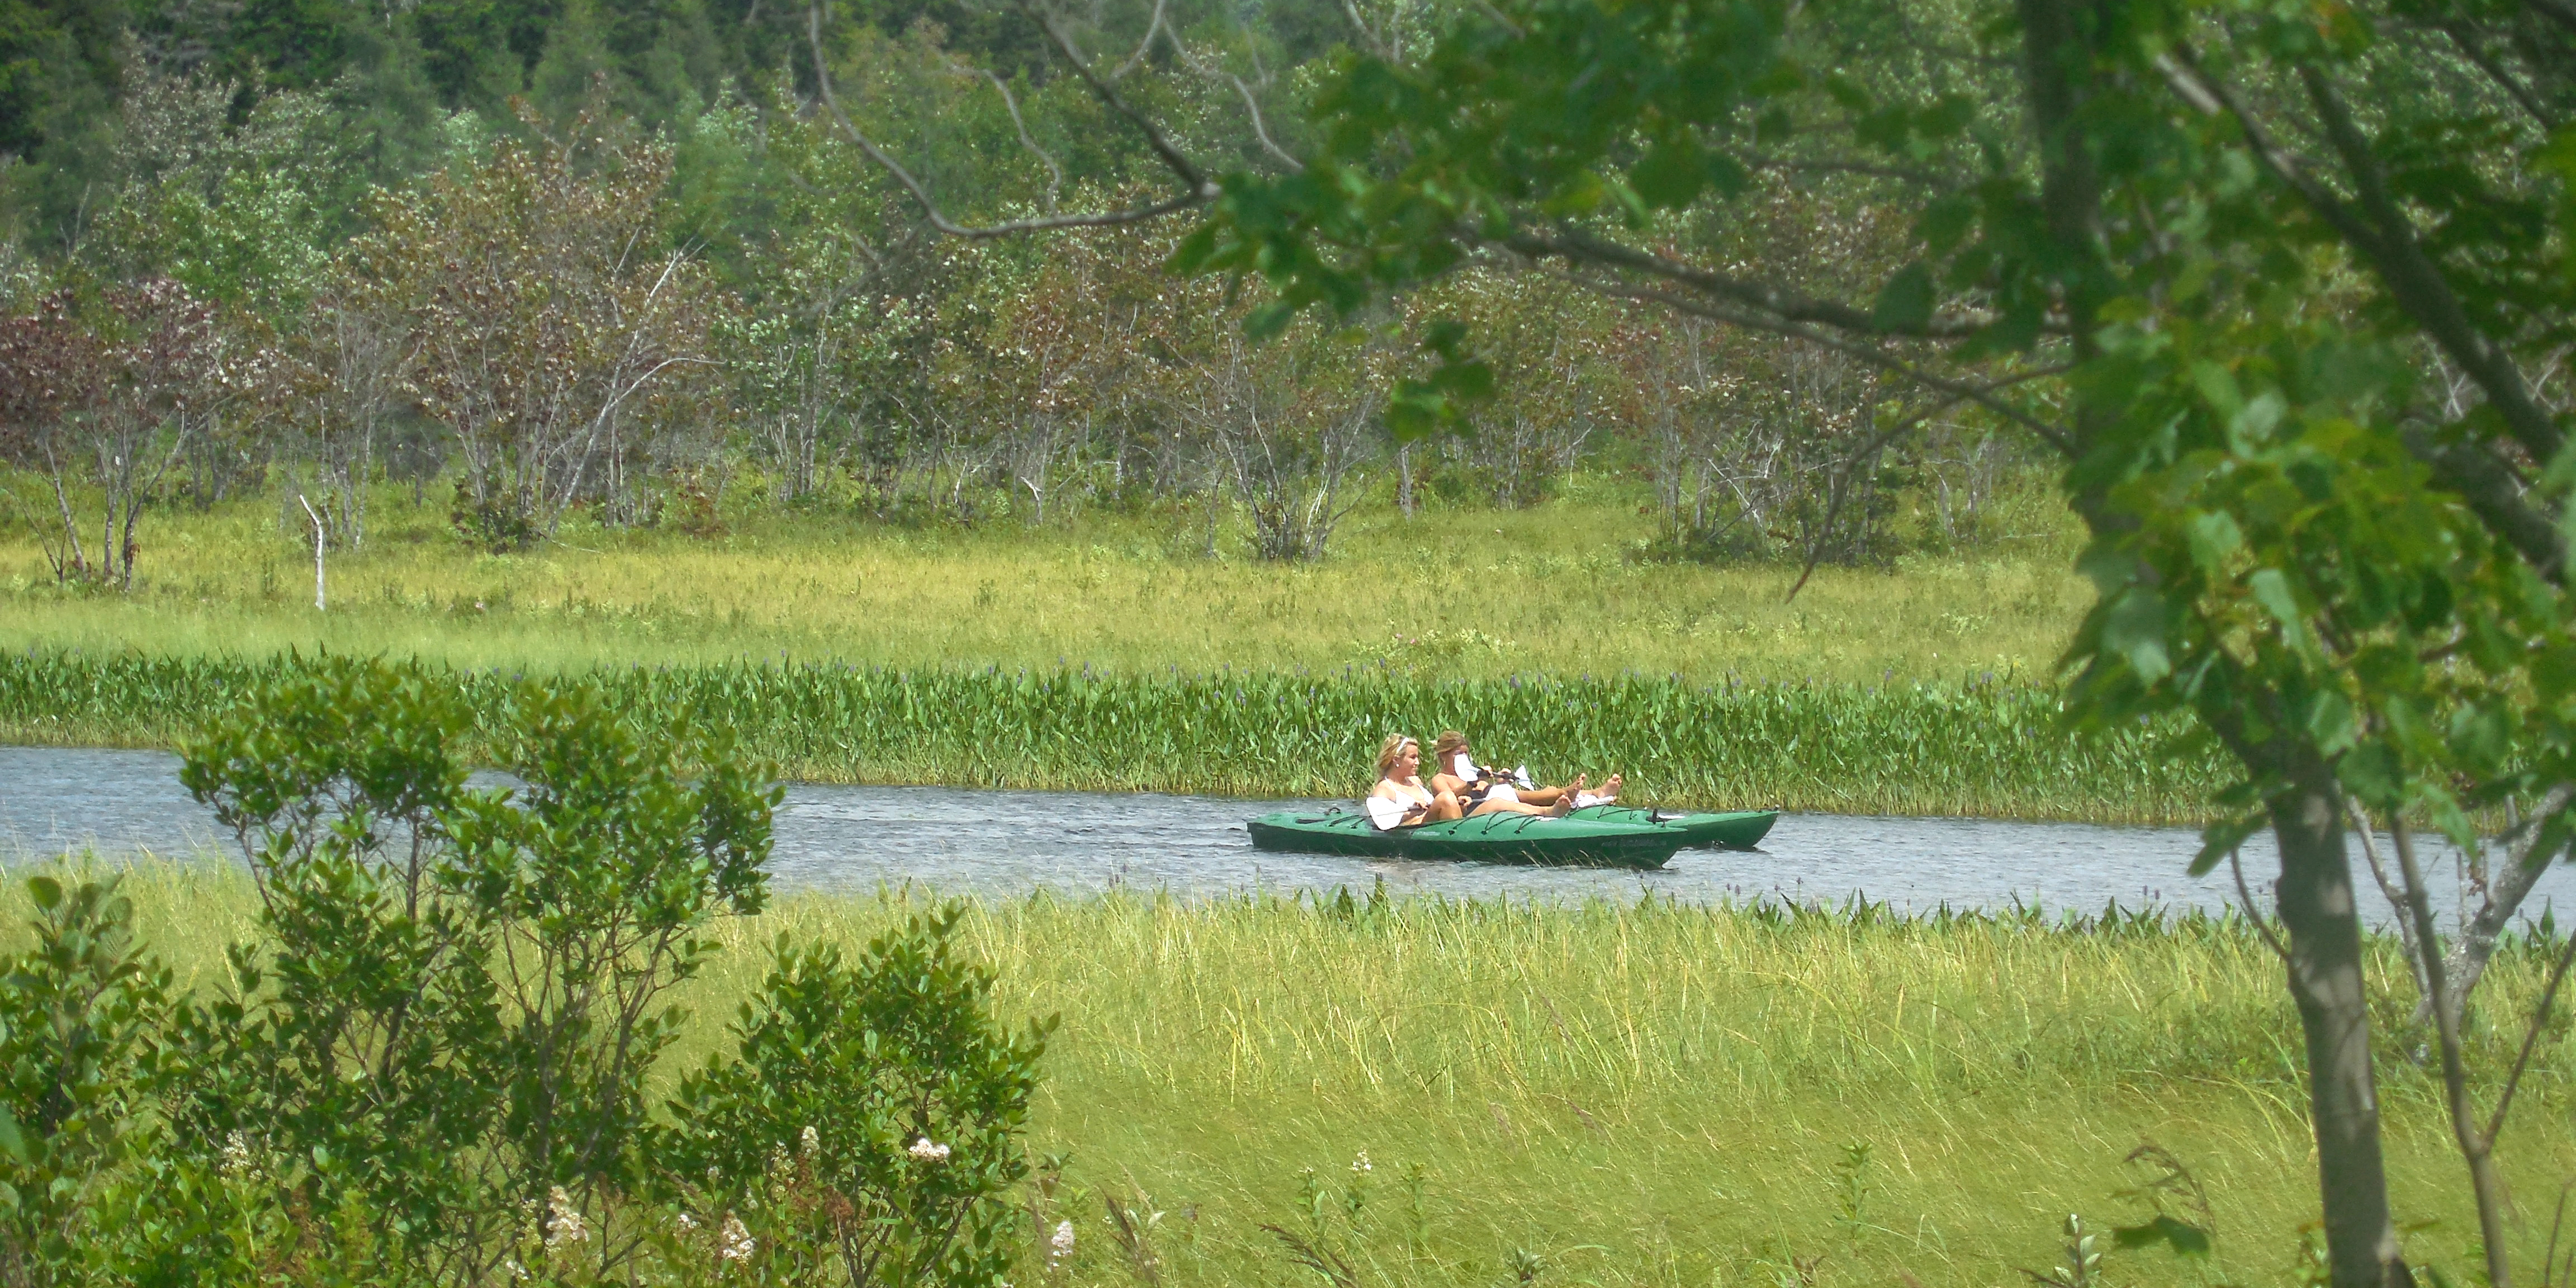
[
  {"x": 927, "y": 1152},
  {"x": 734, "y": 1242},
  {"x": 236, "y": 1155},
  {"x": 1360, "y": 1165},
  {"x": 1061, "y": 1245},
  {"x": 564, "y": 1223},
  {"x": 812, "y": 1143}
]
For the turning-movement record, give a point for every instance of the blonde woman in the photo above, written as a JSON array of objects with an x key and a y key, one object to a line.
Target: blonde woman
[{"x": 1399, "y": 783}]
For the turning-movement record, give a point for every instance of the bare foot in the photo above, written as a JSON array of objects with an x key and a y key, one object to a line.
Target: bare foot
[{"x": 1610, "y": 789}]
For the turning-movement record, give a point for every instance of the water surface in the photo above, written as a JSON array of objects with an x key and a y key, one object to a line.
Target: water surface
[{"x": 1013, "y": 842}]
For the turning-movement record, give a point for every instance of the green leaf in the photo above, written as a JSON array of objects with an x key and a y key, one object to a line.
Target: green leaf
[
  {"x": 1269, "y": 320},
  {"x": 1905, "y": 302},
  {"x": 12, "y": 1141},
  {"x": 2214, "y": 536},
  {"x": 1947, "y": 221},
  {"x": 46, "y": 891},
  {"x": 2220, "y": 839},
  {"x": 2271, "y": 589},
  {"x": 2135, "y": 629},
  {"x": 1672, "y": 173},
  {"x": 2217, "y": 387},
  {"x": 1944, "y": 119},
  {"x": 2186, "y": 1239},
  {"x": 2330, "y": 722}
]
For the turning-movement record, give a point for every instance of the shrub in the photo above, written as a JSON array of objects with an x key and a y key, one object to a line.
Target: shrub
[
  {"x": 868, "y": 1131},
  {"x": 434, "y": 1064},
  {"x": 77, "y": 1014}
]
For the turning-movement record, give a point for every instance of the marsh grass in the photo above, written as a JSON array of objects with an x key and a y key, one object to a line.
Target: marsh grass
[
  {"x": 1459, "y": 592},
  {"x": 1989, "y": 748},
  {"x": 1638, "y": 1094}
]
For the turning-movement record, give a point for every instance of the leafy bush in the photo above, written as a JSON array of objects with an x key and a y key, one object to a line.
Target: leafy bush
[
  {"x": 77, "y": 1012},
  {"x": 434, "y": 1063},
  {"x": 870, "y": 1123}
]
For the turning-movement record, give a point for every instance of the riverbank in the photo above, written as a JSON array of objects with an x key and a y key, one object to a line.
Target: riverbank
[
  {"x": 1985, "y": 747},
  {"x": 1640, "y": 1095}
]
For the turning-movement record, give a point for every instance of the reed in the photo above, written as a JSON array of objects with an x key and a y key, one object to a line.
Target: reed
[
  {"x": 1986, "y": 747},
  {"x": 1644, "y": 1094}
]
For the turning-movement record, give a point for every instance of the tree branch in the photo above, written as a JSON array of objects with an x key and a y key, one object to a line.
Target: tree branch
[
  {"x": 1190, "y": 174},
  {"x": 2496, "y": 493},
  {"x": 2557, "y": 11},
  {"x": 2418, "y": 285},
  {"x": 2245, "y": 900},
  {"x": 1055, "y": 173},
  {"x": 1153, "y": 27},
  {"x": 1576, "y": 244},
  {"x": 1198, "y": 191},
  {"x": 1983, "y": 395},
  {"x": 1251, "y": 104},
  {"x": 2383, "y": 235}
]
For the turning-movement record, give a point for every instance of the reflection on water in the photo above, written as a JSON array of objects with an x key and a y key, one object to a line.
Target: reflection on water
[{"x": 1007, "y": 842}]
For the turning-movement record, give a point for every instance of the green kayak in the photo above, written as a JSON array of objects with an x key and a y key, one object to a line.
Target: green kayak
[
  {"x": 1493, "y": 838},
  {"x": 1738, "y": 830}
]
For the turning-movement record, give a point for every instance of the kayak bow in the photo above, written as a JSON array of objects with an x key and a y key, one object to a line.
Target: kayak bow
[{"x": 1737, "y": 830}]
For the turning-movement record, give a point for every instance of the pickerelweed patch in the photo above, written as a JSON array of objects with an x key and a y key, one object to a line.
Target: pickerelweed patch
[{"x": 1982, "y": 747}]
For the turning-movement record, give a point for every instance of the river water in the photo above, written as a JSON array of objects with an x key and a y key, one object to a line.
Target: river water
[{"x": 1013, "y": 842}]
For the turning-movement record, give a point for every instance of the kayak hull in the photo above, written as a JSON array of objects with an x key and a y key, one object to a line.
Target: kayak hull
[
  {"x": 1491, "y": 838},
  {"x": 1734, "y": 830}
]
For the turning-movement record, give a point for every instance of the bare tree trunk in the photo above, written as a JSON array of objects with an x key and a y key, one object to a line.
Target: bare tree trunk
[
  {"x": 2476, "y": 1147},
  {"x": 2326, "y": 982},
  {"x": 2504, "y": 891}
]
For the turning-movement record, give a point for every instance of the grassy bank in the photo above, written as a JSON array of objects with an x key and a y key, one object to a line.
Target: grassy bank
[
  {"x": 1990, "y": 748},
  {"x": 1647, "y": 1095},
  {"x": 1464, "y": 592}
]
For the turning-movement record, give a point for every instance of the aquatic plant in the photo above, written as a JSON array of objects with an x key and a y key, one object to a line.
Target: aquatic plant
[{"x": 1989, "y": 747}]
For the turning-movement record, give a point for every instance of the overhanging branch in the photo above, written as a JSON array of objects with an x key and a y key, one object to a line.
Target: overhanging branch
[
  {"x": 1981, "y": 394},
  {"x": 1197, "y": 190}
]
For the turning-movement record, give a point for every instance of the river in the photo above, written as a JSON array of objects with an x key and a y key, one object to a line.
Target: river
[{"x": 1014, "y": 842}]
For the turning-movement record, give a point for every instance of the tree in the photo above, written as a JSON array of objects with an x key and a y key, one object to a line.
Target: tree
[
  {"x": 1549, "y": 355},
  {"x": 106, "y": 401},
  {"x": 340, "y": 378},
  {"x": 552, "y": 321},
  {"x": 2290, "y": 541},
  {"x": 2215, "y": 257},
  {"x": 1291, "y": 425}
]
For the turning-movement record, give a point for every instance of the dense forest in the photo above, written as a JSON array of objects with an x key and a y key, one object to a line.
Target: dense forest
[{"x": 614, "y": 260}]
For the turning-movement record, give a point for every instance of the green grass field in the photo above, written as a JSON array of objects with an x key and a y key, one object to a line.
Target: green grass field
[
  {"x": 1466, "y": 592},
  {"x": 1646, "y": 1095}
]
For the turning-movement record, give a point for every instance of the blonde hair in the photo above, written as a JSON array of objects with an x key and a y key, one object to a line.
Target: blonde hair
[{"x": 1388, "y": 751}]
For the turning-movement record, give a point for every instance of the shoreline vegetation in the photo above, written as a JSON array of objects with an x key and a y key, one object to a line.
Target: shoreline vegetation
[
  {"x": 1626, "y": 1094},
  {"x": 1093, "y": 654},
  {"x": 1989, "y": 748}
]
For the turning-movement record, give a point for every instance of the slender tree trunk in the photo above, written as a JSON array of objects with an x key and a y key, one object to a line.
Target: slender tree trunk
[
  {"x": 2326, "y": 982},
  {"x": 2316, "y": 891},
  {"x": 2476, "y": 1147}
]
